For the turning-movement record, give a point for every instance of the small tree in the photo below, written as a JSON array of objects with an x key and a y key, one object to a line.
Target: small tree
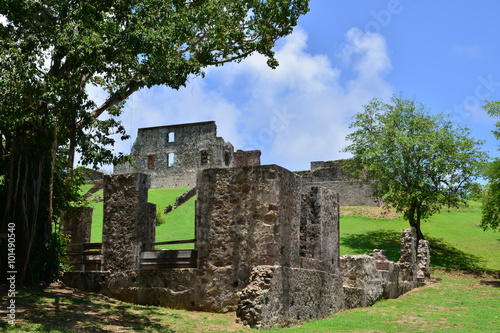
[
  {"x": 416, "y": 161},
  {"x": 491, "y": 197}
]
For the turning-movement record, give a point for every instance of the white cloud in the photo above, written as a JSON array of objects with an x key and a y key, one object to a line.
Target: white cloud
[
  {"x": 295, "y": 114},
  {"x": 470, "y": 51}
]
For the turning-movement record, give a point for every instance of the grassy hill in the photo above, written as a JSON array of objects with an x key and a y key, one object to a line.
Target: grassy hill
[
  {"x": 179, "y": 222},
  {"x": 456, "y": 240}
]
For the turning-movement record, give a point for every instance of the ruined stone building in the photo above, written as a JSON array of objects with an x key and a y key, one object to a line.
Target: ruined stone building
[
  {"x": 266, "y": 239},
  {"x": 171, "y": 155},
  {"x": 267, "y": 247}
]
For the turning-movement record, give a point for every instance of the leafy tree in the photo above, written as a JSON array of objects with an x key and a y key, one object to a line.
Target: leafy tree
[
  {"x": 52, "y": 50},
  {"x": 491, "y": 197},
  {"x": 416, "y": 161}
]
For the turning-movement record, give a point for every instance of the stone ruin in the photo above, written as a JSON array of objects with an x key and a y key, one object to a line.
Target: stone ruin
[
  {"x": 267, "y": 247},
  {"x": 330, "y": 174},
  {"x": 171, "y": 155}
]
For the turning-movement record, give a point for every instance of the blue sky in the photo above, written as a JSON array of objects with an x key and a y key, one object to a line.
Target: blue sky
[{"x": 342, "y": 54}]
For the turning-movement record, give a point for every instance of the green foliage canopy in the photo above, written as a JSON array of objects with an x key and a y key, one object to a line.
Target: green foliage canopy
[
  {"x": 491, "y": 196},
  {"x": 416, "y": 161},
  {"x": 51, "y": 51}
]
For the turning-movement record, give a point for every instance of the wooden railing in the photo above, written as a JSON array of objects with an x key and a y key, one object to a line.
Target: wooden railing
[
  {"x": 88, "y": 256},
  {"x": 167, "y": 259},
  {"x": 84, "y": 256}
]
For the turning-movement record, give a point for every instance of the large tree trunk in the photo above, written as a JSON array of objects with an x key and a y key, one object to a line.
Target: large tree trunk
[{"x": 27, "y": 209}]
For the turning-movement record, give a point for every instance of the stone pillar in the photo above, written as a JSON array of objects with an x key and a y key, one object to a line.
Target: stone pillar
[
  {"x": 423, "y": 261},
  {"x": 319, "y": 226},
  {"x": 125, "y": 220},
  {"x": 76, "y": 223},
  {"x": 151, "y": 232},
  {"x": 247, "y": 217},
  {"x": 408, "y": 259}
]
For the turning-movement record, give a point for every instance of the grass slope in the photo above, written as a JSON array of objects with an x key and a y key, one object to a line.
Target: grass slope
[
  {"x": 179, "y": 225},
  {"x": 456, "y": 240}
]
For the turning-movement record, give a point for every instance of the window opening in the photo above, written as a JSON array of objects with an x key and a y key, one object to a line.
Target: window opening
[
  {"x": 227, "y": 158},
  {"x": 170, "y": 159},
  {"x": 171, "y": 137},
  {"x": 204, "y": 157},
  {"x": 151, "y": 161}
]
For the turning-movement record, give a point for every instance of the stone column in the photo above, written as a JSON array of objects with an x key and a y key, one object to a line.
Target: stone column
[
  {"x": 319, "y": 226},
  {"x": 408, "y": 259},
  {"x": 76, "y": 223},
  {"x": 125, "y": 220},
  {"x": 423, "y": 261},
  {"x": 151, "y": 228}
]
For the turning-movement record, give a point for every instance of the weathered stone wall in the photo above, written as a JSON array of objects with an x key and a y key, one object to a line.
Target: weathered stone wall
[
  {"x": 329, "y": 174},
  {"x": 126, "y": 216},
  {"x": 246, "y": 217},
  {"x": 191, "y": 147},
  {"x": 181, "y": 199},
  {"x": 76, "y": 223},
  {"x": 423, "y": 261},
  {"x": 351, "y": 194},
  {"x": 368, "y": 278},
  {"x": 267, "y": 247},
  {"x": 186, "y": 179},
  {"x": 280, "y": 296},
  {"x": 246, "y": 158},
  {"x": 319, "y": 228},
  {"x": 408, "y": 260}
]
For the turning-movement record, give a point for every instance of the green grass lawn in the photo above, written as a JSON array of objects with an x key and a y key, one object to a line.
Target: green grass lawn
[
  {"x": 179, "y": 222},
  {"x": 456, "y": 240}
]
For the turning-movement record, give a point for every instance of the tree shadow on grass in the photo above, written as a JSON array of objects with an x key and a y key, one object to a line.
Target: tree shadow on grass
[
  {"x": 365, "y": 243},
  {"x": 58, "y": 310},
  {"x": 443, "y": 254}
]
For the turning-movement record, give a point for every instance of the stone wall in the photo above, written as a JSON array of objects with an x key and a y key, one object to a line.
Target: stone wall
[
  {"x": 246, "y": 158},
  {"x": 171, "y": 155},
  {"x": 319, "y": 228},
  {"x": 246, "y": 217},
  {"x": 76, "y": 223},
  {"x": 368, "y": 278},
  {"x": 267, "y": 247},
  {"x": 329, "y": 174},
  {"x": 281, "y": 295}
]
